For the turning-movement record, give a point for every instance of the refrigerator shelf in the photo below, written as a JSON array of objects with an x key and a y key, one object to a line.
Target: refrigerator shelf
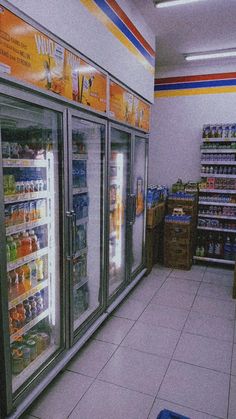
[
  {"x": 225, "y": 191},
  {"x": 26, "y": 259},
  {"x": 80, "y": 252},
  {"x": 206, "y": 259},
  {"x": 224, "y": 217},
  {"x": 218, "y": 163},
  {"x": 218, "y": 150},
  {"x": 8, "y": 199},
  {"x": 33, "y": 290},
  {"x": 80, "y": 283},
  {"x": 209, "y": 175},
  {"x": 223, "y": 204},
  {"x": 80, "y": 156},
  {"x": 224, "y": 230},
  {"x": 24, "y": 163},
  {"x": 19, "y": 379},
  {"x": 79, "y": 190},
  {"x": 29, "y": 325},
  {"x": 82, "y": 221},
  {"x": 26, "y": 226},
  {"x": 218, "y": 140}
]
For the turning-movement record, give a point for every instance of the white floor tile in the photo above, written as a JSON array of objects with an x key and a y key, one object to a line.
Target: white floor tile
[
  {"x": 152, "y": 339},
  {"x": 195, "y": 274},
  {"x": 114, "y": 330},
  {"x": 144, "y": 292},
  {"x": 58, "y": 400},
  {"x": 160, "y": 268},
  {"x": 232, "y": 398},
  {"x": 219, "y": 271},
  {"x": 215, "y": 291},
  {"x": 181, "y": 285},
  {"x": 108, "y": 401},
  {"x": 160, "y": 405},
  {"x": 92, "y": 358},
  {"x": 197, "y": 388},
  {"x": 158, "y": 315},
  {"x": 204, "y": 352},
  {"x": 130, "y": 309},
  {"x": 233, "y": 370},
  {"x": 214, "y": 307},
  {"x": 135, "y": 370},
  {"x": 173, "y": 298},
  {"x": 210, "y": 326},
  {"x": 222, "y": 280}
]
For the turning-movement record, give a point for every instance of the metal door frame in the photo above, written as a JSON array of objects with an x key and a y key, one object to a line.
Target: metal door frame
[
  {"x": 145, "y": 138},
  {"x": 10, "y": 400},
  {"x": 86, "y": 116}
]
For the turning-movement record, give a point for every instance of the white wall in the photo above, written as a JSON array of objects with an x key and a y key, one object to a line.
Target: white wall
[
  {"x": 73, "y": 23},
  {"x": 175, "y": 138}
]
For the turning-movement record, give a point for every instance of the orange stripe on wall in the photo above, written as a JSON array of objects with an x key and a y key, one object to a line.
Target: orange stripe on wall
[{"x": 180, "y": 79}]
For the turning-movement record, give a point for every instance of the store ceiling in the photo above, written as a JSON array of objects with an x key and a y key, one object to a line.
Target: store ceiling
[{"x": 204, "y": 26}]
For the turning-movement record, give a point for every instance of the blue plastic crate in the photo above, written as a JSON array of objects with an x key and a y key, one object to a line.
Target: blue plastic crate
[{"x": 168, "y": 414}]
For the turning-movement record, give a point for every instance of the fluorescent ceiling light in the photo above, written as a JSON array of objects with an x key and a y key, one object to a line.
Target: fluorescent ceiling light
[
  {"x": 169, "y": 3},
  {"x": 211, "y": 55}
]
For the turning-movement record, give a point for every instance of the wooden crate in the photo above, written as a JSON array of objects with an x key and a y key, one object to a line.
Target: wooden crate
[
  {"x": 155, "y": 215},
  {"x": 178, "y": 231}
]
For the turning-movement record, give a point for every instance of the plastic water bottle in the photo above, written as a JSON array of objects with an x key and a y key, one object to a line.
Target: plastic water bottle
[{"x": 228, "y": 249}]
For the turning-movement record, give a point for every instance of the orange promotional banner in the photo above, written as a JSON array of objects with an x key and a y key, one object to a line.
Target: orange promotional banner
[
  {"x": 126, "y": 107},
  {"x": 31, "y": 56}
]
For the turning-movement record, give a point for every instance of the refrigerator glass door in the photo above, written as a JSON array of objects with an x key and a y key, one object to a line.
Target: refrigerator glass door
[
  {"x": 139, "y": 187},
  {"x": 30, "y": 138},
  {"x": 88, "y": 165},
  {"x": 119, "y": 178}
]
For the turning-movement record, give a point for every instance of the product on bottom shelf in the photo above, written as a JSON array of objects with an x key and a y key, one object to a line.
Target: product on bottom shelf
[{"x": 216, "y": 246}]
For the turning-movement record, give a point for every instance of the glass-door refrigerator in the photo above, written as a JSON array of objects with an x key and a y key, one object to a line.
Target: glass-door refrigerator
[
  {"x": 31, "y": 239},
  {"x": 87, "y": 168}
]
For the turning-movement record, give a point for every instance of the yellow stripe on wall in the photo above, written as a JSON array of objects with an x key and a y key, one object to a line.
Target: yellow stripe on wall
[
  {"x": 197, "y": 91},
  {"x": 96, "y": 11}
]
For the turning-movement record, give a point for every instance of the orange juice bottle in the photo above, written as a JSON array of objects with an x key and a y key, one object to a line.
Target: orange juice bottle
[
  {"x": 26, "y": 244},
  {"x": 27, "y": 275},
  {"x": 21, "y": 280}
]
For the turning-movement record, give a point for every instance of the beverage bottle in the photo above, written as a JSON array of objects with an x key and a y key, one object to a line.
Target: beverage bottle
[
  {"x": 35, "y": 242},
  {"x": 26, "y": 244},
  {"x": 13, "y": 249},
  {"x": 40, "y": 269},
  {"x": 21, "y": 280},
  {"x": 227, "y": 249},
  {"x": 8, "y": 253},
  {"x": 211, "y": 247},
  {"x": 33, "y": 268},
  {"x": 14, "y": 283},
  {"x": 27, "y": 275},
  {"x": 234, "y": 249},
  {"x": 21, "y": 312},
  {"x": 18, "y": 245}
]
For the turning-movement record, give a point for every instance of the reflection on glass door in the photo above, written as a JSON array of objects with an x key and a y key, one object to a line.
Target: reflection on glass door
[
  {"x": 87, "y": 183},
  {"x": 30, "y": 154},
  {"x": 119, "y": 176},
  {"x": 139, "y": 186}
]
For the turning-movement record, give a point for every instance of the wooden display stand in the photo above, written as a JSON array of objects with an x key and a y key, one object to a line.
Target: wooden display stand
[
  {"x": 234, "y": 284},
  {"x": 155, "y": 217},
  {"x": 178, "y": 249}
]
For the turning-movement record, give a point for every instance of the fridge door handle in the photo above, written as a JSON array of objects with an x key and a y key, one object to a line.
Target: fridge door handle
[
  {"x": 131, "y": 209},
  {"x": 73, "y": 232}
]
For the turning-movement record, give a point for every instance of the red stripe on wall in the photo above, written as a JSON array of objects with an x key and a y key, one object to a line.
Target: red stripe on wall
[
  {"x": 130, "y": 25},
  {"x": 183, "y": 79}
]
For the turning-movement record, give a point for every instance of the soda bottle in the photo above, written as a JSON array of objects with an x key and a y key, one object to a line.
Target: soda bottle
[
  {"x": 27, "y": 276},
  {"x": 26, "y": 244},
  {"x": 13, "y": 249},
  {"x": 18, "y": 245},
  {"x": 40, "y": 271},
  {"x": 234, "y": 249},
  {"x": 21, "y": 280},
  {"x": 211, "y": 247},
  {"x": 33, "y": 268},
  {"x": 35, "y": 242},
  {"x": 227, "y": 249},
  {"x": 8, "y": 253},
  {"x": 14, "y": 283}
]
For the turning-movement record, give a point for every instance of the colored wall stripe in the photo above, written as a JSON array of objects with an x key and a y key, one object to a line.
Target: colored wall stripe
[
  {"x": 182, "y": 79},
  {"x": 109, "y": 18},
  {"x": 192, "y": 92},
  {"x": 130, "y": 25},
  {"x": 180, "y": 86}
]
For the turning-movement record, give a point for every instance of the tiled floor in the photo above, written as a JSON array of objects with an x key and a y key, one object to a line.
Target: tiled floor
[{"x": 171, "y": 344}]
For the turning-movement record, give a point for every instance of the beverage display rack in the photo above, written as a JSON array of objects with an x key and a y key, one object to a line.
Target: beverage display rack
[{"x": 216, "y": 240}]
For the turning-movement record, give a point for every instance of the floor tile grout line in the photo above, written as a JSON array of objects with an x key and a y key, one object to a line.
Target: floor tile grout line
[
  {"x": 175, "y": 349},
  {"x": 200, "y": 366}
]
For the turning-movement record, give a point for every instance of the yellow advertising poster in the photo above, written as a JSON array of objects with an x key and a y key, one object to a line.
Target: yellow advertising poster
[
  {"x": 121, "y": 103},
  {"x": 29, "y": 55},
  {"x": 143, "y": 115}
]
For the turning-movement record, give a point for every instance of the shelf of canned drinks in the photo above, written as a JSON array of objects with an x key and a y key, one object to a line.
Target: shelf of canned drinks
[
  {"x": 224, "y": 217},
  {"x": 218, "y": 150},
  {"x": 223, "y": 230},
  {"x": 33, "y": 290},
  {"x": 25, "y": 226},
  {"x": 206, "y": 259},
  {"x": 80, "y": 156},
  {"x": 8, "y": 199},
  {"x": 29, "y": 325},
  {"x": 79, "y": 190},
  {"x": 19, "y": 379},
  {"x": 23, "y": 163},
  {"x": 82, "y": 281},
  {"x": 222, "y": 203},
  {"x": 219, "y": 162},
  {"x": 225, "y": 191},
  {"x": 32, "y": 256},
  {"x": 80, "y": 221},
  {"x": 204, "y": 175}
]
